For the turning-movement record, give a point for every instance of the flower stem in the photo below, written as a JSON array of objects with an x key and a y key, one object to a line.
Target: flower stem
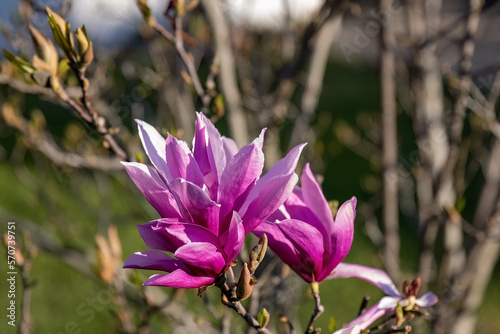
[{"x": 318, "y": 308}]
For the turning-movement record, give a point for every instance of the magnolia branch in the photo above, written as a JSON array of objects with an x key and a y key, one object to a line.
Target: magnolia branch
[
  {"x": 233, "y": 302},
  {"x": 177, "y": 39},
  {"x": 318, "y": 309},
  {"x": 43, "y": 142}
]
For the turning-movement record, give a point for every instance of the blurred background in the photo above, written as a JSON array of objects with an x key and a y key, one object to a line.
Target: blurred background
[{"x": 397, "y": 100}]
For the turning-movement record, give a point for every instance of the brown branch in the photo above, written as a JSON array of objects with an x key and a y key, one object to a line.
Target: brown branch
[
  {"x": 318, "y": 309},
  {"x": 42, "y": 141},
  {"x": 235, "y": 304},
  {"x": 227, "y": 78},
  {"x": 429, "y": 127},
  {"x": 27, "y": 88},
  {"x": 390, "y": 145},
  {"x": 188, "y": 61},
  {"x": 326, "y": 35}
]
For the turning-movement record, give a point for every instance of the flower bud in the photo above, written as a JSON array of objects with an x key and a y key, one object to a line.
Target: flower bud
[
  {"x": 46, "y": 58},
  {"x": 257, "y": 254},
  {"x": 245, "y": 283},
  {"x": 61, "y": 31},
  {"x": 109, "y": 253},
  {"x": 85, "y": 49},
  {"x": 82, "y": 39},
  {"x": 146, "y": 12}
]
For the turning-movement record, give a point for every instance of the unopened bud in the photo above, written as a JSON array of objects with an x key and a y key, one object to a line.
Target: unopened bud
[
  {"x": 82, "y": 39},
  {"x": 85, "y": 48},
  {"x": 284, "y": 325},
  {"x": 46, "y": 58},
  {"x": 245, "y": 283},
  {"x": 257, "y": 254},
  {"x": 224, "y": 300},
  {"x": 263, "y": 318},
  {"x": 58, "y": 19},
  {"x": 144, "y": 8},
  {"x": 61, "y": 31},
  {"x": 9, "y": 241}
]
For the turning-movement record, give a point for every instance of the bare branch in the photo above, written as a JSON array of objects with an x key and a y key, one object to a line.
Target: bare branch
[
  {"x": 227, "y": 78},
  {"x": 43, "y": 142},
  {"x": 389, "y": 144}
]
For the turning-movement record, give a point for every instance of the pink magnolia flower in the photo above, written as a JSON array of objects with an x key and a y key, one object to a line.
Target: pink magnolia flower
[
  {"x": 209, "y": 198},
  {"x": 380, "y": 279},
  {"x": 304, "y": 234}
]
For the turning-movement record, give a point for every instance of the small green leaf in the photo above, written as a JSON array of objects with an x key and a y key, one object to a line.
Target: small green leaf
[
  {"x": 332, "y": 326},
  {"x": 263, "y": 318},
  {"x": 63, "y": 67},
  {"x": 64, "y": 42},
  {"x": 22, "y": 64}
]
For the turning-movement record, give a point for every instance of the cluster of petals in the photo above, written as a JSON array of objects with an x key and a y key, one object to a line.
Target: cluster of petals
[
  {"x": 208, "y": 198},
  {"x": 304, "y": 234},
  {"x": 380, "y": 279}
]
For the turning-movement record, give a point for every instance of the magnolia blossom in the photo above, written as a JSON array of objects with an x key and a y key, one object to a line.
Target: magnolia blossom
[
  {"x": 304, "y": 234},
  {"x": 380, "y": 279},
  {"x": 209, "y": 198}
]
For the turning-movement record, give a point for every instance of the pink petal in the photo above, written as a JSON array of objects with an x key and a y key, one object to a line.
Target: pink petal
[
  {"x": 314, "y": 198},
  {"x": 342, "y": 235},
  {"x": 154, "y": 145},
  {"x": 281, "y": 245},
  {"x": 170, "y": 234},
  {"x": 377, "y": 277},
  {"x": 153, "y": 260},
  {"x": 153, "y": 189},
  {"x": 234, "y": 238},
  {"x": 386, "y": 304},
  {"x": 209, "y": 152},
  {"x": 202, "y": 255},
  {"x": 271, "y": 191},
  {"x": 427, "y": 300},
  {"x": 240, "y": 172},
  {"x": 181, "y": 162},
  {"x": 308, "y": 243},
  {"x": 179, "y": 279},
  {"x": 297, "y": 209},
  {"x": 197, "y": 206},
  {"x": 230, "y": 147}
]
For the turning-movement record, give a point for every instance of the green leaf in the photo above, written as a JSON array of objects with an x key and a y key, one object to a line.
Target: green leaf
[
  {"x": 22, "y": 64},
  {"x": 332, "y": 326},
  {"x": 63, "y": 67},
  {"x": 64, "y": 42},
  {"x": 263, "y": 318}
]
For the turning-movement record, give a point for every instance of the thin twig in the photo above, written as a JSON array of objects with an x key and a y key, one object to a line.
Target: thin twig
[
  {"x": 318, "y": 309},
  {"x": 188, "y": 61},
  {"x": 42, "y": 141},
  {"x": 235, "y": 304},
  {"x": 227, "y": 78}
]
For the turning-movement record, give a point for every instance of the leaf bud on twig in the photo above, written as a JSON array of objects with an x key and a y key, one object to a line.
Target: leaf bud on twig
[{"x": 257, "y": 254}]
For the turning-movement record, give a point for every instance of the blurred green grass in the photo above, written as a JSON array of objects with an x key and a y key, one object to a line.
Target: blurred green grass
[{"x": 73, "y": 206}]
